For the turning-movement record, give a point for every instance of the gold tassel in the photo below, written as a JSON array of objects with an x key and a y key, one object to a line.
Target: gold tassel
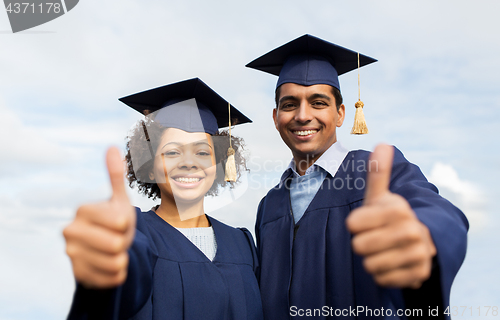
[
  {"x": 359, "y": 120},
  {"x": 230, "y": 175},
  {"x": 230, "y": 166},
  {"x": 359, "y": 126}
]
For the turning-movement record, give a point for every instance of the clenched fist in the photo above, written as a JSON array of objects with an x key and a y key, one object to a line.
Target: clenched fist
[
  {"x": 98, "y": 238},
  {"x": 397, "y": 248}
]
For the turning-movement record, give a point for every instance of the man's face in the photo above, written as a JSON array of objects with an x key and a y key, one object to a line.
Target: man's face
[{"x": 306, "y": 118}]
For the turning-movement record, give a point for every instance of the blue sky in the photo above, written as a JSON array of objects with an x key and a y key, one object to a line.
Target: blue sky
[{"x": 434, "y": 93}]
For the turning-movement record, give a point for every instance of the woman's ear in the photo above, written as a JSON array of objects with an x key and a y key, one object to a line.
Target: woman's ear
[{"x": 151, "y": 175}]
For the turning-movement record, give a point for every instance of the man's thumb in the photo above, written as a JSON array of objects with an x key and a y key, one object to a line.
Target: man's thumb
[{"x": 379, "y": 172}]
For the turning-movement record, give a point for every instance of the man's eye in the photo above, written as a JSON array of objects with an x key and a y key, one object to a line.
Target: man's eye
[
  {"x": 287, "y": 106},
  {"x": 319, "y": 103}
]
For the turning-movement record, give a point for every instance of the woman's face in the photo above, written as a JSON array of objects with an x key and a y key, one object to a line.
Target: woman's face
[{"x": 184, "y": 166}]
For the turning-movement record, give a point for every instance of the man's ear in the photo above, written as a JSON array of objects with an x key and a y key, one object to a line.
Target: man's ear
[
  {"x": 151, "y": 176},
  {"x": 341, "y": 113},
  {"x": 275, "y": 118}
]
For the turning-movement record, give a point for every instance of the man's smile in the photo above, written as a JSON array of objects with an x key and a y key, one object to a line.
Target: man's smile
[{"x": 304, "y": 132}]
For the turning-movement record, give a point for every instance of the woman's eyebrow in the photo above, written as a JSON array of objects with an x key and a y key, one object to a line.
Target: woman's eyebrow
[
  {"x": 176, "y": 143},
  {"x": 183, "y": 144},
  {"x": 203, "y": 142}
]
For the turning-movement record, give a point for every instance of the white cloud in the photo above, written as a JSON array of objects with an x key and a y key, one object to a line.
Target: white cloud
[
  {"x": 34, "y": 267},
  {"x": 24, "y": 145},
  {"x": 466, "y": 195},
  {"x": 427, "y": 94}
]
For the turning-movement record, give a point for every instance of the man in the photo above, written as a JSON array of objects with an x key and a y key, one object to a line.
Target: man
[{"x": 347, "y": 233}]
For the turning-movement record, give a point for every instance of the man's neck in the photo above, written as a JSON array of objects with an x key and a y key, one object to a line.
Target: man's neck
[{"x": 304, "y": 161}]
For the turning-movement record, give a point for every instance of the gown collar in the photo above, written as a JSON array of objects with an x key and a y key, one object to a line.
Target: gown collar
[{"x": 329, "y": 161}]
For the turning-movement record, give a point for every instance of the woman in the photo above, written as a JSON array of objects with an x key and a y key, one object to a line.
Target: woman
[{"x": 173, "y": 262}]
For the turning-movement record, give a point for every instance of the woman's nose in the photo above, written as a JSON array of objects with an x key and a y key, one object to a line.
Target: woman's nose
[{"x": 188, "y": 161}]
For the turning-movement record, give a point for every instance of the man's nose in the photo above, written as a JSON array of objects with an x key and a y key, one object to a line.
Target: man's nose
[{"x": 303, "y": 113}]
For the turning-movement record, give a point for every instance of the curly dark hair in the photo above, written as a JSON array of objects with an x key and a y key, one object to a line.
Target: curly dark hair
[{"x": 146, "y": 134}]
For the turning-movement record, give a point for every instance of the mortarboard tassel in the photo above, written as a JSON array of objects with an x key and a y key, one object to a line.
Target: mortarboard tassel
[
  {"x": 230, "y": 175},
  {"x": 359, "y": 126}
]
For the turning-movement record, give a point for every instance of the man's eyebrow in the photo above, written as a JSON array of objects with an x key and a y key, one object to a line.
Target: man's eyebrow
[
  {"x": 288, "y": 98},
  {"x": 319, "y": 96}
]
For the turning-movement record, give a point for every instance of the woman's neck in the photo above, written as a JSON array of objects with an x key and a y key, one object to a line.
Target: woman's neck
[{"x": 190, "y": 215}]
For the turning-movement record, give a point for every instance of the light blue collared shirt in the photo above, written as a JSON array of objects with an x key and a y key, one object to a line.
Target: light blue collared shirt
[{"x": 304, "y": 188}]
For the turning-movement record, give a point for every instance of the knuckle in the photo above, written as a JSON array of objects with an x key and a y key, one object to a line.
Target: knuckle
[
  {"x": 352, "y": 220},
  {"x": 68, "y": 232},
  {"x": 370, "y": 266},
  {"x": 412, "y": 232},
  {"x": 124, "y": 260},
  {"x": 358, "y": 245},
  {"x": 71, "y": 250},
  {"x": 382, "y": 280},
  {"x": 119, "y": 278},
  {"x": 349, "y": 221},
  {"x": 403, "y": 205},
  {"x": 426, "y": 272},
  {"x": 119, "y": 220},
  {"x": 416, "y": 285},
  {"x": 96, "y": 281},
  {"x": 421, "y": 253},
  {"x": 119, "y": 262},
  {"x": 391, "y": 208},
  {"x": 420, "y": 273},
  {"x": 117, "y": 244},
  {"x": 82, "y": 211},
  {"x": 432, "y": 249},
  {"x": 85, "y": 277},
  {"x": 72, "y": 231}
]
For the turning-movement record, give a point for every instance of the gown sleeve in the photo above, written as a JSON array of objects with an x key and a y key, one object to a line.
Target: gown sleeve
[
  {"x": 251, "y": 243},
  {"x": 448, "y": 227},
  {"x": 126, "y": 300}
]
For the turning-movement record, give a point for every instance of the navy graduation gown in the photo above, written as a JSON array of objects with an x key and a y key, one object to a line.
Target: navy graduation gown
[
  {"x": 311, "y": 266},
  {"x": 170, "y": 278}
]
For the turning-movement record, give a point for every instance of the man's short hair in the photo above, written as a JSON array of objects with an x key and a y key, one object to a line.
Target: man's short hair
[{"x": 336, "y": 94}]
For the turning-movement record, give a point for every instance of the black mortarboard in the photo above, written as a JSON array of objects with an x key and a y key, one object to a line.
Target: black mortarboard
[
  {"x": 188, "y": 105},
  {"x": 308, "y": 60}
]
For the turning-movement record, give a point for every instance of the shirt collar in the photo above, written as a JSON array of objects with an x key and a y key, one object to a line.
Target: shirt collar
[{"x": 329, "y": 161}]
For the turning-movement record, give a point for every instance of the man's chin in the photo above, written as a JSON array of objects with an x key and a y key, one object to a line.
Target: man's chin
[{"x": 307, "y": 154}]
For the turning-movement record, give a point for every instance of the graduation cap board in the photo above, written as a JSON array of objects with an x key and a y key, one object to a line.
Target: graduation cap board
[
  {"x": 309, "y": 60},
  {"x": 211, "y": 107},
  {"x": 189, "y": 105}
]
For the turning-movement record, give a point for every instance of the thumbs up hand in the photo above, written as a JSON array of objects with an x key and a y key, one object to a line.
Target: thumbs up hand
[
  {"x": 397, "y": 248},
  {"x": 98, "y": 238}
]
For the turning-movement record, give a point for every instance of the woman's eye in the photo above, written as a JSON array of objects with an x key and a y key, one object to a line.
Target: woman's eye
[
  {"x": 171, "y": 153},
  {"x": 203, "y": 153}
]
